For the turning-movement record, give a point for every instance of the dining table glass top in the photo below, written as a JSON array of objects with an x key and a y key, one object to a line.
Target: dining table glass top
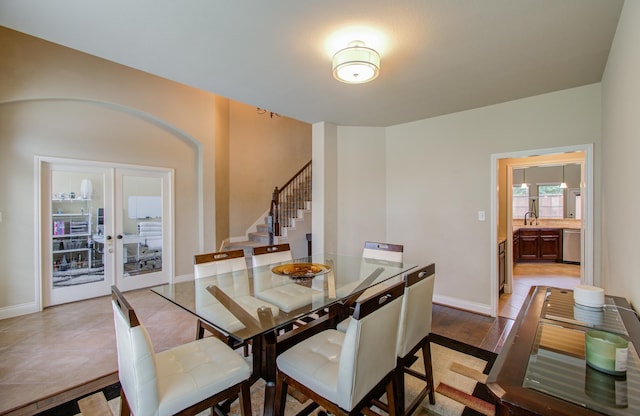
[{"x": 250, "y": 302}]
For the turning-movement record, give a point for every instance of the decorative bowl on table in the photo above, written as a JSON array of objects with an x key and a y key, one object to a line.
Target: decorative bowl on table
[{"x": 301, "y": 271}]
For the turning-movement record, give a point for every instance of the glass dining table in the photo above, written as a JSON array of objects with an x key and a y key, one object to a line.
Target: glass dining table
[{"x": 267, "y": 305}]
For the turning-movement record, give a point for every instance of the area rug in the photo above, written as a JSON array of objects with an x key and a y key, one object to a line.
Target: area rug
[
  {"x": 459, "y": 376},
  {"x": 460, "y": 373}
]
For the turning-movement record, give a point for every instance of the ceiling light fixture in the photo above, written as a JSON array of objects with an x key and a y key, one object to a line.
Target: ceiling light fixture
[
  {"x": 563, "y": 185},
  {"x": 524, "y": 181},
  {"x": 356, "y": 63}
]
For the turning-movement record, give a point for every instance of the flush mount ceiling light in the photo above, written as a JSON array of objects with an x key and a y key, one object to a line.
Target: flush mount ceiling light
[{"x": 356, "y": 63}]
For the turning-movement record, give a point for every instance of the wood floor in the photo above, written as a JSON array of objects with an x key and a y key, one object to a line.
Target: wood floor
[
  {"x": 525, "y": 275},
  {"x": 67, "y": 351}
]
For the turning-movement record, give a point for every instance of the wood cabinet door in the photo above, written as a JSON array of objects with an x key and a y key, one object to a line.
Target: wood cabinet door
[
  {"x": 551, "y": 245},
  {"x": 529, "y": 245}
]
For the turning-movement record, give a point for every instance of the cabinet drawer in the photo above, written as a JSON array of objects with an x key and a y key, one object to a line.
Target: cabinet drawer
[{"x": 524, "y": 232}]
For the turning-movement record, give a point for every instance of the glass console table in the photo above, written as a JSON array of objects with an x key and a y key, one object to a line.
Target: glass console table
[{"x": 541, "y": 369}]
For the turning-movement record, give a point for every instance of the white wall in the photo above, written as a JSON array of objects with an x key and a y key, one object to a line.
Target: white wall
[
  {"x": 362, "y": 184},
  {"x": 324, "y": 188},
  {"x": 438, "y": 178},
  {"x": 621, "y": 147}
]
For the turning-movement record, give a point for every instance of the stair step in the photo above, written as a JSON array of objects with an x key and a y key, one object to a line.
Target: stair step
[{"x": 259, "y": 237}]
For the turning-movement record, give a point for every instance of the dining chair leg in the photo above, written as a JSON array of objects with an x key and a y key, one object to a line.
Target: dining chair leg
[
  {"x": 391, "y": 396},
  {"x": 398, "y": 376},
  {"x": 428, "y": 370},
  {"x": 125, "y": 410},
  {"x": 199, "y": 330},
  {"x": 281, "y": 395},
  {"x": 245, "y": 400}
]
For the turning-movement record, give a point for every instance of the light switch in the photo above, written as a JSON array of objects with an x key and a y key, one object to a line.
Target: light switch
[{"x": 480, "y": 215}]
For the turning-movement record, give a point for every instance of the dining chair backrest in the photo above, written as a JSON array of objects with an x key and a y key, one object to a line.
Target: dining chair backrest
[
  {"x": 415, "y": 317},
  {"x": 370, "y": 338},
  {"x": 383, "y": 251},
  {"x": 276, "y": 253},
  {"x": 136, "y": 358},
  {"x": 212, "y": 264}
]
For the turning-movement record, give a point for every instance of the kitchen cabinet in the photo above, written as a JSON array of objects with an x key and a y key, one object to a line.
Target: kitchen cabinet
[
  {"x": 515, "y": 248},
  {"x": 502, "y": 258},
  {"x": 529, "y": 244},
  {"x": 539, "y": 244},
  {"x": 551, "y": 244}
]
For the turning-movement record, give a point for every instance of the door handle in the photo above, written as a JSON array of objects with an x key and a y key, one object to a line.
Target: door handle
[
  {"x": 108, "y": 237},
  {"x": 119, "y": 236}
]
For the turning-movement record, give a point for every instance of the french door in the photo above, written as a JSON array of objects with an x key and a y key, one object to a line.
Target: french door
[{"x": 102, "y": 225}]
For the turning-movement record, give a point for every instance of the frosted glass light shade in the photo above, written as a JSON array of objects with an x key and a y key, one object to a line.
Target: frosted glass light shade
[
  {"x": 356, "y": 64},
  {"x": 86, "y": 189}
]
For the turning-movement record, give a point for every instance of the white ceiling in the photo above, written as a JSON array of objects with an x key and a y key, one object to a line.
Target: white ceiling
[{"x": 438, "y": 56}]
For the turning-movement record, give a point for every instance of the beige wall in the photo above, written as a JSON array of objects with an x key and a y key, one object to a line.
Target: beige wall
[
  {"x": 621, "y": 147},
  {"x": 58, "y": 102},
  {"x": 265, "y": 152}
]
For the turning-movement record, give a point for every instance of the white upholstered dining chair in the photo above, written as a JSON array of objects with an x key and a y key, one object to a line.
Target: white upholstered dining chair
[
  {"x": 413, "y": 336},
  {"x": 279, "y": 290},
  {"x": 374, "y": 255},
  {"x": 344, "y": 371},
  {"x": 183, "y": 380},
  {"x": 235, "y": 285}
]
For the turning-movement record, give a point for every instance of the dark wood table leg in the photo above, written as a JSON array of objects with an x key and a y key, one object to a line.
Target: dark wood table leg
[{"x": 269, "y": 371}]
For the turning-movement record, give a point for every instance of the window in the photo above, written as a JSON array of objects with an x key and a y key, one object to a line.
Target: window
[
  {"x": 520, "y": 203},
  {"x": 550, "y": 201}
]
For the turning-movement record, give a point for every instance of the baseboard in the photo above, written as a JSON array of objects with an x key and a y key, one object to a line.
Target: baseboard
[
  {"x": 183, "y": 278},
  {"x": 17, "y": 310},
  {"x": 476, "y": 307}
]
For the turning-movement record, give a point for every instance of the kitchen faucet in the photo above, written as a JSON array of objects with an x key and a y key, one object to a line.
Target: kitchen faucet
[{"x": 533, "y": 215}]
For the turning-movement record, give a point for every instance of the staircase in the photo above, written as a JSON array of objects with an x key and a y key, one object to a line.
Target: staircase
[{"x": 290, "y": 213}]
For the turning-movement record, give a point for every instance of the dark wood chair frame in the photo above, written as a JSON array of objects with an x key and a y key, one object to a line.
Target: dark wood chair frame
[
  {"x": 384, "y": 246},
  {"x": 271, "y": 249},
  {"x": 240, "y": 390}
]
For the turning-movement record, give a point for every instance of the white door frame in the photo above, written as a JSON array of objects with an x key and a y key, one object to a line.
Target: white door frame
[
  {"x": 587, "y": 242},
  {"x": 41, "y": 190}
]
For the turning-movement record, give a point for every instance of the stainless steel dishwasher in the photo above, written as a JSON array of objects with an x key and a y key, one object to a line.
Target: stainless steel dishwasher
[{"x": 571, "y": 245}]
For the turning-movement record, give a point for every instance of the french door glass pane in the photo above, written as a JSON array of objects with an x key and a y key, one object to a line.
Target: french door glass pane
[
  {"x": 141, "y": 225},
  {"x": 76, "y": 201}
]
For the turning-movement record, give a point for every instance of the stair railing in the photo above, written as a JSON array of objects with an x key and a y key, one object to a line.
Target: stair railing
[{"x": 288, "y": 199}]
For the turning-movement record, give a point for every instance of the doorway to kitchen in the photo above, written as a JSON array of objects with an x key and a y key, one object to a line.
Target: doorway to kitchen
[
  {"x": 100, "y": 225},
  {"x": 534, "y": 255}
]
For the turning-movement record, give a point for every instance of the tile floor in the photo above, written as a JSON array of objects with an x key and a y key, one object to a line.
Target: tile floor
[
  {"x": 70, "y": 345},
  {"x": 525, "y": 275}
]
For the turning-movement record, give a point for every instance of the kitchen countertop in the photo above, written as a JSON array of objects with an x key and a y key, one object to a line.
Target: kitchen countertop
[{"x": 548, "y": 223}]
